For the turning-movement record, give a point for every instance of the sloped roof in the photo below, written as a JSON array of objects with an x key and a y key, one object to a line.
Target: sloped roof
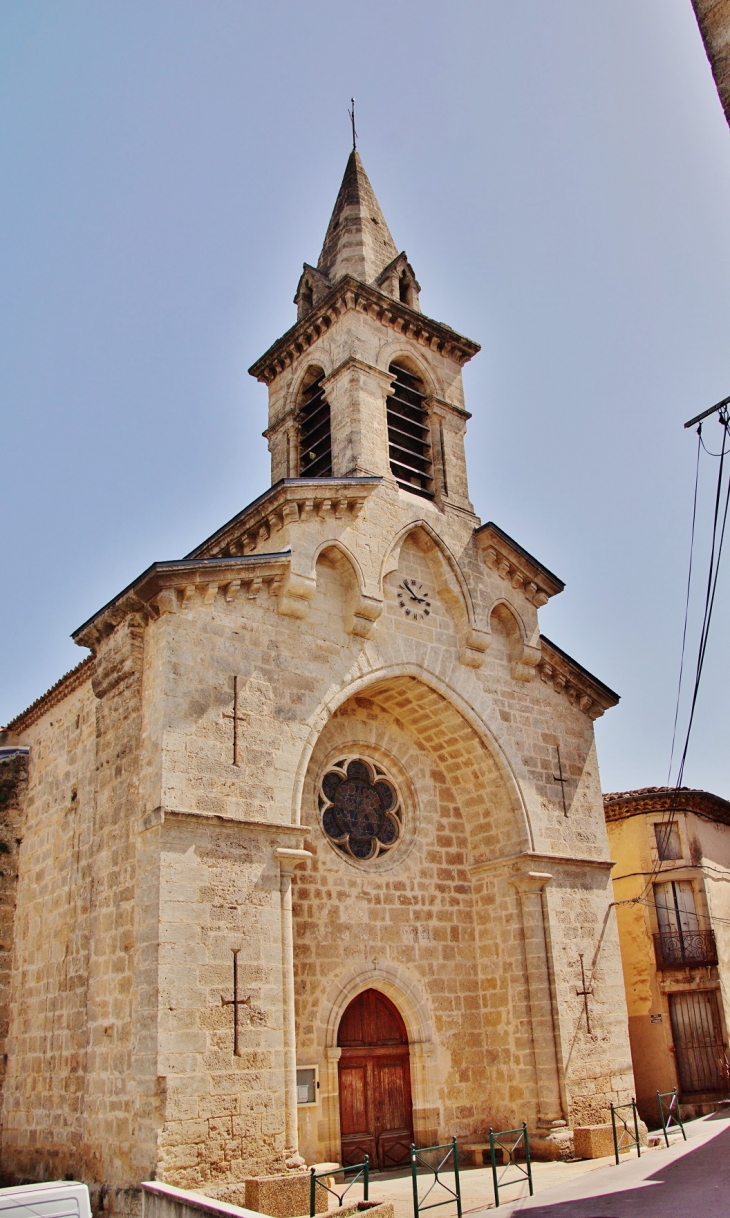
[
  {"x": 357, "y": 241},
  {"x": 620, "y": 804}
]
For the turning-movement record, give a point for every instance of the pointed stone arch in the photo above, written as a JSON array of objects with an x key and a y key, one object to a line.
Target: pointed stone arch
[
  {"x": 404, "y": 683},
  {"x": 393, "y": 980},
  {"x": 339, "y": 546},
  {"x": 408, "y": 995},
  {"x": 313, "y": 425},
  {"x": 401, "y": 352},
  {"x": 318, "y": 364},
  {"x": 362, "y": 611},
  {"x": 524, "y": 652},
  {"x": 449, "y": 582}
]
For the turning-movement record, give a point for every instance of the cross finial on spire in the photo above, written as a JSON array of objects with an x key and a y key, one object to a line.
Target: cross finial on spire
[{"x": 352, "y": 120}]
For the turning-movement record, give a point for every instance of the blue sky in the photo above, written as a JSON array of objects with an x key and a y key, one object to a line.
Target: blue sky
[{"x": 559, "y": 174}]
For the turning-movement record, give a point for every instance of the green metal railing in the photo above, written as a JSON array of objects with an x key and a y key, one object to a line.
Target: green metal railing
[
  {"x": 453, "y": 1194},
  {"x": 510, "y": 1150},
  {"x": 669, "y": 1113},
  {"x": 315, "y": 1182},
  {"x": 623, "y": 1138}
]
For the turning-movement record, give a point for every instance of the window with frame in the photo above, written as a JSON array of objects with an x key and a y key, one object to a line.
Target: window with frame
[
  {"x": 315, "y": 433},
  {"x": 667, "y": 841},
  {"x": 675, "y": 907},
  {"x": 361, "y": 809},
  {"x": 409, "y": 433}
]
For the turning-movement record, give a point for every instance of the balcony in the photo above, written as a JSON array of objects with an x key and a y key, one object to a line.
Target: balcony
[{"x": 685, "y": 949}]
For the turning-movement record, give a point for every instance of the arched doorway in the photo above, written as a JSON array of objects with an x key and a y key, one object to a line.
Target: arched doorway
[{"x": 376, "y": 1112}]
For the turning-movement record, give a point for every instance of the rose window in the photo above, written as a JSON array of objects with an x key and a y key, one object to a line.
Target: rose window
[{"x": 360, "y": 807}]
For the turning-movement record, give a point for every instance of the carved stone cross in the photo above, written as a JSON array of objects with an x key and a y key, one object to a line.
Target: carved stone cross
[
  {"x": 559, "y": 778},
  {"x": 236, "y": 720},
  {"x": 235, "y": 1001},
  {"x": 584, "y": 993}
]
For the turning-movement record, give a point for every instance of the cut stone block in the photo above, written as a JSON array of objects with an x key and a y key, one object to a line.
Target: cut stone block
[
  {"x": 284, "y": 1196},
  {"x": 592, "y": 1141}
]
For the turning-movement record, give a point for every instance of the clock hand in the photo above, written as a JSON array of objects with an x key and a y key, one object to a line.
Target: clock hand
[{"x": 418, "y": 599}]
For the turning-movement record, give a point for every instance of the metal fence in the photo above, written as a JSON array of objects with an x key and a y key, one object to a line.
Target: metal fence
[
  {"x": 362, "y": 1170},
  {"x": 510, "y": 1150},
  {"x": 446, "y": 1159},
  {"x": 623, "y": 1138},
  {"x": 669, "y": 1113}
]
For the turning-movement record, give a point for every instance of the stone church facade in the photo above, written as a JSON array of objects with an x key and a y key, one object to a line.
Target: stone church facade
[{"x": 331, "y": 752}]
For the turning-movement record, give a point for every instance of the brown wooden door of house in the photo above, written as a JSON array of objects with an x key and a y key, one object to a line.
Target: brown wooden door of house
[
  {"x": 701, "y": 1058},
  {"x": 376, "y": 1113}
]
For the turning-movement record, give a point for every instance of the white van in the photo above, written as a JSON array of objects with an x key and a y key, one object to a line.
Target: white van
[{"x": 53, "y": 1199}]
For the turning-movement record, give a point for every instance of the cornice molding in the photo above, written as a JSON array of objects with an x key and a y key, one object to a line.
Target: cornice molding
[
  {"x": 534, "y": 859},
  {"x": 72, "y": 680},
  {"x": 158, "y": 816},
  {"x": 348, "y": 295},
  {"x": 166, "y": 586},
  {"x": 512, "y": 563},
  {"x": 619, "y": 805},
  {"x": 568, "y": 677},
  {"x": 288, "y": 501},
  {"x": 440, "y": 406}
]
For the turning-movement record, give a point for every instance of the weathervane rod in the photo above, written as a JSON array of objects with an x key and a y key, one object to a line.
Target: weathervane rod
[{"x": 352, "y": 120}]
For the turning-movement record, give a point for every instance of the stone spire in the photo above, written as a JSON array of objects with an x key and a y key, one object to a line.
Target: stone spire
[{"x": 358, "y": 241}]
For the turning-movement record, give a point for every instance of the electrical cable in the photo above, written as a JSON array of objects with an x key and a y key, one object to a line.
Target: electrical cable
[
  {"x": 632, "y": 875},
  {"x": 652, "y": 905},
  {"x": 709, "y": 450},
  {"x": 709, "y": 597},
  {"x": 712, "y": 577},
  {"x": 686, "y": 604}
]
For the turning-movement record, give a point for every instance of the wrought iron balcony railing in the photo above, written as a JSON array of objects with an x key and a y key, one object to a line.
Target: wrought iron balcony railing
[{"x": 685, "y": 949}]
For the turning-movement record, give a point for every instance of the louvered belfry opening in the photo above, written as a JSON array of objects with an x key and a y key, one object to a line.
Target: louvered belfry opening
[
  {"x": 409, "y": 436},
  {"x": 315, "y": 436}
]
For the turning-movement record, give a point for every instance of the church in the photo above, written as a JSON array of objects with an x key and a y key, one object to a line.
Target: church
[{"x": 307, "y": 859}]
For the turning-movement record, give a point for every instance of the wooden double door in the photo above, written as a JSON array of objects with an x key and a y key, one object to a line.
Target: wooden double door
[{"x": 376, "y": 1112}]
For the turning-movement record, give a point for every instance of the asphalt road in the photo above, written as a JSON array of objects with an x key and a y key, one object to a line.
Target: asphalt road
[{"x": 688, "y": 1180}]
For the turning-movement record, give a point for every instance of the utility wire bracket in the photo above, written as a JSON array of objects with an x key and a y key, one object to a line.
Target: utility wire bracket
[{"x": 705, "y": 413}]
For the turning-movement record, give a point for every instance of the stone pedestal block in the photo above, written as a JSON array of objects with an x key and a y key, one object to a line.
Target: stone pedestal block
[
  {"x": 283, "y": 1196},
  {"x": 592, "y": 1141}
]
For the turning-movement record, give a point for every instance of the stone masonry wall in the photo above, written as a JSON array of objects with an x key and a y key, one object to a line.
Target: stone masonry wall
[
  {"x": 174, "y": 868},
  {"x": 292, "y": 675},
  {"x": 43, "y": 1118},
  {"x": 224, "y": 1114},
  {"x": 13, "y": 785}
]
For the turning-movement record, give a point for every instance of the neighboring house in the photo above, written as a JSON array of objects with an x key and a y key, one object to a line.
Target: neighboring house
[{"x": 672, "y": 852}]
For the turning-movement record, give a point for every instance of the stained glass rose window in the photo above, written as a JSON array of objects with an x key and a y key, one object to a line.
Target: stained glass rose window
[{"x": 360, "y": 808}]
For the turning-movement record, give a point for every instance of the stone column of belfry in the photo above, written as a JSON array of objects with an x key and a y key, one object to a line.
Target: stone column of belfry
[
  {"x": 288, "y": 860},
  {"x": 530, "y": 887},
  {"x": 356, "y": 392}
]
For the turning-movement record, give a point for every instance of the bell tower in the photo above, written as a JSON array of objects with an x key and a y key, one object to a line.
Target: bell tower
[{"x": 363, "y": 383}]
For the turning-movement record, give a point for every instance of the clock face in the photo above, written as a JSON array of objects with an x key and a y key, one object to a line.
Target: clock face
[{"x": 413, "y": 600}]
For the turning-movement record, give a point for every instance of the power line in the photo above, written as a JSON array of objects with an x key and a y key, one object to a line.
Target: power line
[
  {"x": 686, "y": 603},
  {"x": 712, "y": 577},
  {"x": 653, "y": 905}
]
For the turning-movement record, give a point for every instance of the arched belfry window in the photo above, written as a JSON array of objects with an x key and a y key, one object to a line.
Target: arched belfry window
[
  {"x": 315, "y": 436},
  {"x": 406, "y": 293},
  {"x": 409, "y": 436},
  {"x": 306, "y": 299}
]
